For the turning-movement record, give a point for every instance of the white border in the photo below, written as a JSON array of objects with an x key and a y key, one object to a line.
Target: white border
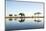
[{"x": 2, "y": 19}]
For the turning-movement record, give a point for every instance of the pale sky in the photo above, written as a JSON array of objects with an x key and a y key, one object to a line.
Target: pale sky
[{"x": 13, "y": 7}]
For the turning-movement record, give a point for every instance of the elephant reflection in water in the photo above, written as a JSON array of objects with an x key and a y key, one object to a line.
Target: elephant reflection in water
[{"x": 22, "y": 20}]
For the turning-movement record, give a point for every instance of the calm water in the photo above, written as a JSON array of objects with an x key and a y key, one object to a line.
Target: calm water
[{"x": 27, "y": 24}]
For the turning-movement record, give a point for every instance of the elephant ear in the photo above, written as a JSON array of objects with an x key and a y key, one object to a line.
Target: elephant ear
[{"x": 22, "y": 14}]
